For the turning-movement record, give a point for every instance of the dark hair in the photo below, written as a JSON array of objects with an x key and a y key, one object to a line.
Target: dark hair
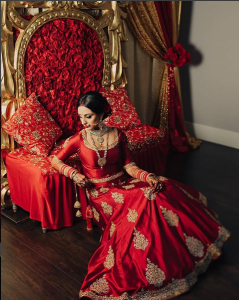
[{"x": 95, "y": 102}]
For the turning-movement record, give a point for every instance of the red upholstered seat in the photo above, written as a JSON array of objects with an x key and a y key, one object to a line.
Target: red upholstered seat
[{"x": 34, "y": 184}]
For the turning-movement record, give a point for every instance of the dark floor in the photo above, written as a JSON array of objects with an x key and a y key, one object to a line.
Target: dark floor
[{"x": 53, "y": 265}]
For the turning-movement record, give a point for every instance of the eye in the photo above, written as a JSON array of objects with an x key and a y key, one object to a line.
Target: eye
[{"x": 88, "y": 117}]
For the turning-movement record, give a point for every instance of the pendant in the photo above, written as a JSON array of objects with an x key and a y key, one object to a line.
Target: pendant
[
  {"x": 100, "y": 139},
  {"x": 101, "y": 161}
]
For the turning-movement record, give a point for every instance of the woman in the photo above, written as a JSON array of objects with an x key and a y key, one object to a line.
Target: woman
[{"x": 157, "y": 234}]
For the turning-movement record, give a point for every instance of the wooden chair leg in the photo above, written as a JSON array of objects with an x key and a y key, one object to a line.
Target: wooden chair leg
[
  {"x": 14, "y": 207},
  {"x": 44, "y": 230}
]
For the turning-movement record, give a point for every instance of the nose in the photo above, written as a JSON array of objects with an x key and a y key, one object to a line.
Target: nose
[{"x": 83, "y": 121}]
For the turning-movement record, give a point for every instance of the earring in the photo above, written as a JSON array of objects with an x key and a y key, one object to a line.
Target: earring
[{"x": 101, "y": 123}]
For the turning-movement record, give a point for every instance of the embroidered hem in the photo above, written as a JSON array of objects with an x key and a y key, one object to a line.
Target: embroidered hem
[
  {"x": 106, "y": 179},
  {"x": 177, "y": 286}
]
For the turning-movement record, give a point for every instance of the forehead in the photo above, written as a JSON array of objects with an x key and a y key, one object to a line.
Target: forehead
[{"x": 82, "y": 110}]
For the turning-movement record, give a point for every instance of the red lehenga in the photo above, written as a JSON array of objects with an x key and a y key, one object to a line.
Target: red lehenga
[{"x": 153, "y": 246}]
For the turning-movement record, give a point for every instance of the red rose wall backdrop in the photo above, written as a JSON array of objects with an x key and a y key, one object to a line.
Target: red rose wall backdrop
[{"x": 64, "y": 60}]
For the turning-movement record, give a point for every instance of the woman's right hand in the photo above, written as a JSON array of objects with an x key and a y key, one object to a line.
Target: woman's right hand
[{"x": 81, "y": 180}]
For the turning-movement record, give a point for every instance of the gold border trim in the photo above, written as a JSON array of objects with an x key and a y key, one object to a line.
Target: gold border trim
[
  {"x": 100, "y": 180},
  {"x": 178, "y": 286}
]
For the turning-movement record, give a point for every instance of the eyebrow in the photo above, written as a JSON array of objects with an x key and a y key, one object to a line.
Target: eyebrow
[{"x": 85, "y": 114}]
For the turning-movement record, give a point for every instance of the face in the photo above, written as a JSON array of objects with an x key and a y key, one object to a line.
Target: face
[{"x": 88, "y": 118}]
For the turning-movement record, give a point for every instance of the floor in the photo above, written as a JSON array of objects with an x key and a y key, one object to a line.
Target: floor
[{"x": 52, "y": 266}]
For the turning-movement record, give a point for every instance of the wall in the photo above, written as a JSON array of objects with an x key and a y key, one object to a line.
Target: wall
[{"x": 210, "y": 85}]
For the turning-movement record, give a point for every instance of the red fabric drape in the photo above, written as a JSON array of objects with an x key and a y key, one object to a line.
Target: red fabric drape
[
  {"x": 177, "y": 132},
  {"x": 164, "y": 10}
]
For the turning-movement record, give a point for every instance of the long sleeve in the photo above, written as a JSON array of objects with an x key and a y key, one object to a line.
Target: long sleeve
[
  {"x": 71, "y": 146},
  {"x": 127, "y": 155}
]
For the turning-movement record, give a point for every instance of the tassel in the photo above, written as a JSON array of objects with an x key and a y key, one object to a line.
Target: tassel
[
  {"x": 77, "y": 204},
  {"x": 78, "y": 213},
  {"x": 89, "y": 224},
  {"x": 89, "y": 213}
]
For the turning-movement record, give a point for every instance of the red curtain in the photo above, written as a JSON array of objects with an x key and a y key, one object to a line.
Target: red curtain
[{"x": 177, "y": 132}]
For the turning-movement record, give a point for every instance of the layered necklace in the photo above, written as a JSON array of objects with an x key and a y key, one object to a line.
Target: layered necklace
[
  {"x": 100, "y": 133},
  {"x": 101, "y": 160}
]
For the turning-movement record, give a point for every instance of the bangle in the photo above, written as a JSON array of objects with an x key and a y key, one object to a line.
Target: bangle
[
  {"x": 67, "y": 170},
  {"x": 73, "y": 174},
  {"x": 142, "y": 175}
]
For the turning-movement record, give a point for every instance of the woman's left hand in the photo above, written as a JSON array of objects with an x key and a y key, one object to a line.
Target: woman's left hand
[{"x": 155, "y": 183}]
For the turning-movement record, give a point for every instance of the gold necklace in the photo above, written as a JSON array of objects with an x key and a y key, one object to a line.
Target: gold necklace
[
  {"x": 100, "y": 133},
  {"x": 101, "y": 160}
]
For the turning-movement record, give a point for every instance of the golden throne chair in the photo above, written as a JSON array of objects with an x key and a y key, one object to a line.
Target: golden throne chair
[{"x": 51, "y": 70}]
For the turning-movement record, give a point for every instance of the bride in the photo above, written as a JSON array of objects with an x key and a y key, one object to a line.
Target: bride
[{"x": 158, "y": 234}]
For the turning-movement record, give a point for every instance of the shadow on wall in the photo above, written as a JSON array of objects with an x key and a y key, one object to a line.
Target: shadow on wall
[{"x": 196, "y": 58}]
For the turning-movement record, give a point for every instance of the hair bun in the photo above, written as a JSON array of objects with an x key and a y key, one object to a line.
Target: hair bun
[{"x": 107, "y": 108}]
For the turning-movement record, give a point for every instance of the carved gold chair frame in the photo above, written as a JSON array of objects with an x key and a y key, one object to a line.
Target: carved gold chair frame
[{"x": 111, "y": 30}]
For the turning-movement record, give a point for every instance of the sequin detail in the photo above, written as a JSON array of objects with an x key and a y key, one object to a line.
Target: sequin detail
[
  {"x": 148, "y": 193},
  {"x": 140, "y": 241},
  {"x": 132, "y": 215},
  {"x": 66, "y": 142},
  {"x": 127, "y": 187},
  {"x": 112, "y": 228},
  {"x": 174, "y": 288},
  {"x": 203, "y": 198},
  {"x": 195, "y": 246},
  {"x": 118, "y": 198},
  {"x": 154, "y": 274},
  {"x": 110, "y": 259},
  {"x": 171, "y": 217},
  {"x": 96, "y": 214},
  {"x": 107, "y": 209},
  {"x": 94, "y": 193},
  {"x": 100, "y": 286},
  {"x": 104, "y": 189}
]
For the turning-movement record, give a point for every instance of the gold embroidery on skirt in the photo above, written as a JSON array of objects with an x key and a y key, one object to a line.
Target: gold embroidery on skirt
[
  {"x": 171, "y": 217},
  {"x": 148, "y": 193},
  {"x": 118, "y": 198},
  {"x": 100, "y": 285},
  {"x": 94, "y": 193},
  {"x": 104, "y": 189},
  {"x": 189, "y": 195},
  {"x": 112, "y": 228},
  {"x": 140, "y": 241},
  {"x": 107, "y": 209},
  {"x": 214, "y": 217},
  {"x": 195, "y": 246},
  {"x": 154, "y": 274},
  {"x": 127, "y": 187},
  {"x": 177, "y": 286},
  {"x": 203, "y": 198},
  {"x": 96, "y": 214},
  {"x": 110, "y": 259},
  {"x": 132, "y": 215}
]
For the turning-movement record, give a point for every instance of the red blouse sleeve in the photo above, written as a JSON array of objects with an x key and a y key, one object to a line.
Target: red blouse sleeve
[
  {"x": 127, "y": 155},
  {"x": 70, "y": 147}
]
